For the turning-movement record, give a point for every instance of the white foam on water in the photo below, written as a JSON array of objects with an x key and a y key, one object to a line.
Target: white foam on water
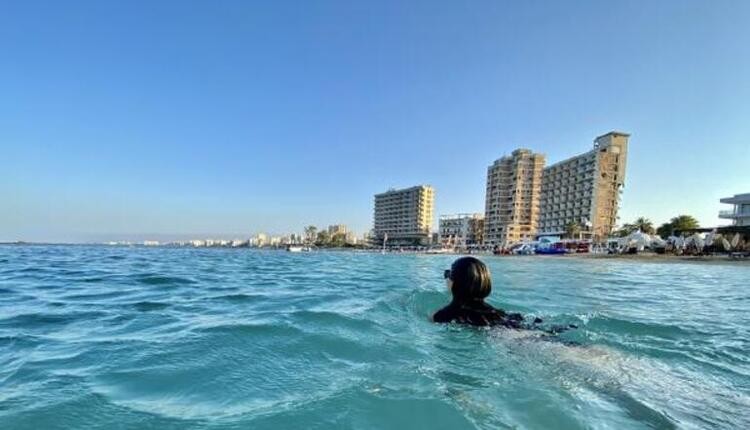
[{"x": 677, "y": 393}]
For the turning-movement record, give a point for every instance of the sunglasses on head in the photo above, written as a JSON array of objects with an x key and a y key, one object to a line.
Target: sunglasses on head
[{"x": 447, "y": 274}]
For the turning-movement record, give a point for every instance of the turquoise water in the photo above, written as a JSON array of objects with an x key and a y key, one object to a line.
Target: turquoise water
[{"x": 108, "y": 337}]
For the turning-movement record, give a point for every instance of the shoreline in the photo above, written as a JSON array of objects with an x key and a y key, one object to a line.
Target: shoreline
[
  {"x": 662, "y": 258},
  {"x": 642, "y": 257}
]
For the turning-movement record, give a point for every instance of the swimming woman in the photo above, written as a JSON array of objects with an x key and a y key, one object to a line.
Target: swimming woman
[{"x": 469, "y": 282}]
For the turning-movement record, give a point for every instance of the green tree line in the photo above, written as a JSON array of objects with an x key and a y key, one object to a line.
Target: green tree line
[
  {"x": 324, "y": 239},
  {"x": 680, "y": 222}
]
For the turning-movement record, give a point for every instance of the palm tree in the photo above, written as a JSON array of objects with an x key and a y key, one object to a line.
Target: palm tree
[
  {"x": 310, "y": 234},
  {"x": 324, "y": 239},
  {"x": 625, "y": 230},
  {"x": 680, "y": 222},
  {"x": 684, "y": 222},
  {"x": 644, "y": 225},
  {"x": 664, "y": 230},
  {"x": 572, "y": 230}
]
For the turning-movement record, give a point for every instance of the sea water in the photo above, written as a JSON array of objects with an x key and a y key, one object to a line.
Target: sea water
[{"x": 158, "y": 338}]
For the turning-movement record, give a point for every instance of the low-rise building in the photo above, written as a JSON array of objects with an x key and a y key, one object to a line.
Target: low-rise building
[
  {"x": 259, "y": 241},
  {"x": 351, "y": 238},
  {"x": 461, "y": 230}
]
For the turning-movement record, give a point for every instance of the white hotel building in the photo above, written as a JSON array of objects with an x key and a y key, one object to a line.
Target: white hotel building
[{"x": 740, "y": 213}]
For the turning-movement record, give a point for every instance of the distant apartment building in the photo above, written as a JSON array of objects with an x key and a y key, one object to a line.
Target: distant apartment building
[
  {"x": 350, "y": 238},
  {"x": 585, "y": 189},
  {"x": 259, "y": 241},
  {"x": 405, "y": 215},
  {"x": 514, "y": 185},
  {"x": 337, "y": 229},
  {"x": 740, "y": 213},
  {"x": 461, "y": 230}
]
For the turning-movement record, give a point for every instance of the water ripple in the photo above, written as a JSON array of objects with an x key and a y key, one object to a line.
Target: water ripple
[{"x": 109, "y": 337}]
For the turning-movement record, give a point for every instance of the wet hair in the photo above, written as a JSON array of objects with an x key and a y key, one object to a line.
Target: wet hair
[{"x": 471, "y": 279}]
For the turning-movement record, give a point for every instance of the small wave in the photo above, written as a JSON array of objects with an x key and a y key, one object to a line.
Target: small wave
[
  {"x": 328, "y": 319},
  {"x": 40, "y": 319},
  {"x": 162, "y": 280},
  {"x": 21, "y": 340},
  {"x": 31, "y": 270},
  {"x": 616, "y": 325},
  {"x": 94, "y": 296},
  {"x": 239, "y": 298},
  {"x": 264, "y": 329},
  {"x": 147, "y": 306}
]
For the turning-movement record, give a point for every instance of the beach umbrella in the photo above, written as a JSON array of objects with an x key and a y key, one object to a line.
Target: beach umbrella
[
  {"x": 710, "y": 237},
  {"x": 718, "y": 239},
  {"x": 679, "y": 242},
  {"x": 698, "y": 241},
  {"x": 658, "y": 242},
  {"x": 690, "y": 241},
  {"x": 639, "y": 239},
  {"x": 735, "y": 240},
  {"x": 725, "y": 243}
]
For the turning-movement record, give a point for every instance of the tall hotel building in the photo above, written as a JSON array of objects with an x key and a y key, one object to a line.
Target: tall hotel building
[
  {"x": 405, "y": 215},
  {"x": 585, "y": 189},
  {"x": 514, "y": 186}
]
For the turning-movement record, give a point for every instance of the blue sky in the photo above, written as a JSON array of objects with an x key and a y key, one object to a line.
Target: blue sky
[{"x": 123, "y": 119}]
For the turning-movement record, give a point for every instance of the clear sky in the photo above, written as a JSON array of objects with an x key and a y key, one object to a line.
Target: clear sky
[{"x": 131, "y": 118}]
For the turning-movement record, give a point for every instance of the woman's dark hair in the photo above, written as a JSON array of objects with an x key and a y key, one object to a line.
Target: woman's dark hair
[{"x": 471, "y": 279}]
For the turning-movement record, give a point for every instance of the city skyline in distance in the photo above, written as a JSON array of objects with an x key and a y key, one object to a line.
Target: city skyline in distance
[{"x": 216, "y": 120}]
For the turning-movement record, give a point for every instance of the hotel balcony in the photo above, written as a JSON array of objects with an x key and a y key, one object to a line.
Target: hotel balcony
[{"x": 731, "y": 214}]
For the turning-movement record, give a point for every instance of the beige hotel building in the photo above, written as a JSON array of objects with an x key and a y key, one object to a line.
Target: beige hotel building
[
  {"x": 525, "y": 199},
  {"x": 514, "y": 186},
  {"x": 405, "y": 215},
  {"x": 586, "y": 189}
]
